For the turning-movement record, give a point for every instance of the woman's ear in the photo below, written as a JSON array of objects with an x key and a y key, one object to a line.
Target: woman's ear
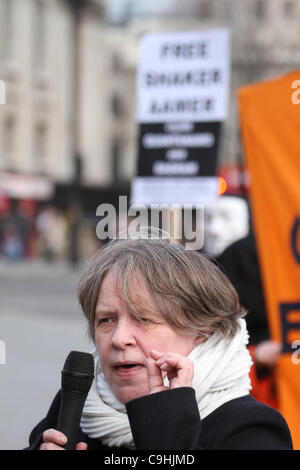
[
  {"x": 198, "y": 340},
  {"x": 201, "y": 338}
]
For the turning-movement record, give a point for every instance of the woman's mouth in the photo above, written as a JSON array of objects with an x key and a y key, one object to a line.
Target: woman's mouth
[{"x": 128, "y": 370}]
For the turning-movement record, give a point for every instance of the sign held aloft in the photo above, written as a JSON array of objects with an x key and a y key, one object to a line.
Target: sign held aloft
[
  {"x": 182, "y": 98},
  {"x": 183, "y": 77}
]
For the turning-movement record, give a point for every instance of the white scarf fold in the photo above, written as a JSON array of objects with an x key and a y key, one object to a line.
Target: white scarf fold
[{"x": 221, "y": 374}]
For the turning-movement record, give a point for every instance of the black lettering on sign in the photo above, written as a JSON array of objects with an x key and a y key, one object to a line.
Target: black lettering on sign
[
  {"x": 288, "y": 324},
  {"x": 191, "y": 50},
  {"x": 183, "y": 106},
  {"x": 183, "y": 78},
  {"x": 294, "y": 237}
]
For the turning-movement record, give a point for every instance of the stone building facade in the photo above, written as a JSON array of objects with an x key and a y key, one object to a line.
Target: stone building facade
[
  {"x": 264, "y": 44},
  {"x": 35, "y": 122},
  {"x": 70, "y": 81},
  {"x": 48, "y": 67}
]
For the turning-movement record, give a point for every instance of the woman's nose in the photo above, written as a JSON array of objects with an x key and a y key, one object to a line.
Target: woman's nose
[{"x": 123, "y": 335}]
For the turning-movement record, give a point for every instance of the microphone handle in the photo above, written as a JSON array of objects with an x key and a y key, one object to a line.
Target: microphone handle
[{"x": 71, "y": 407}]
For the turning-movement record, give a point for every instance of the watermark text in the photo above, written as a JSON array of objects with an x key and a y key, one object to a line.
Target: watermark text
[
  {"x": 2, "y": 353},
  {"x": 296, "y": 94},
  {"x": 182, "y": 224},
  {"x": 2, "y": 92},
  {"x": 296, "y": 354}
]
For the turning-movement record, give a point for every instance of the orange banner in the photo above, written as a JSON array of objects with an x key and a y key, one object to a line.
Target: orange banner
[{"x": 270, "y": 122}]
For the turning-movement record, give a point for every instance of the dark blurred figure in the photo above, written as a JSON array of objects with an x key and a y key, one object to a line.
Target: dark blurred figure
[
  {"x": 14, "y": 234},
  {"x": 240, "y": 263},
  {"x": 12, "y": 246},
  {"x": 27, "y": 213},
  {"x": 241, "y": 266},
  {"x": 74, "y": 217}
]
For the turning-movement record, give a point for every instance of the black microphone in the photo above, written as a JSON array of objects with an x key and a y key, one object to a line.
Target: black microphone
[{"x": 76, "y": 380}]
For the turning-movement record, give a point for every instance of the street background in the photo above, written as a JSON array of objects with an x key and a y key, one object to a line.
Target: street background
[
  {"x": 69, "y": 143},
  {"x": 40, "y": 324}
]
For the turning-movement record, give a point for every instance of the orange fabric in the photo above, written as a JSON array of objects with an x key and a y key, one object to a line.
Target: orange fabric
[
  {"x": 263, "y": 389},
  {"x": 270, "y": 124}
]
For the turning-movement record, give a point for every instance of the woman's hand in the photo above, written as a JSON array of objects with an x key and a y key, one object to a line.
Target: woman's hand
[
  {"x": 55, "y": 440},
  {"x": 267, "y": 353},
  {"x": 179, "y": 369}
]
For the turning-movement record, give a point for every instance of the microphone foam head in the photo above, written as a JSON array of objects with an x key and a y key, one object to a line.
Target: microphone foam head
[{"x": 78, "y": 372}]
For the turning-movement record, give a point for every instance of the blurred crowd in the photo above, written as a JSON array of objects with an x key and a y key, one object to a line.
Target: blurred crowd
[{"x": 28, "y": 233}]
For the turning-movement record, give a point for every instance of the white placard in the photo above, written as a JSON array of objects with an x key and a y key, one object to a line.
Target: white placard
[
  {"x": 201, "y": 190},
  {"x": 183, "y": 76}
]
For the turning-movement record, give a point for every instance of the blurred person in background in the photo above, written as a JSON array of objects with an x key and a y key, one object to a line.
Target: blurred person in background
[
  {"x": 12, "y": 246},
  {"x": 230, "y": 241},
  {"x": 240, "y": 263},
  {"x": 51, "y": 229},
  {"x": 15, "y": 233},
  {"x": 5, "y": 206},
  {"x": 27, "y": 211},
  {"x": 171, "y": 359},
  {"x": 226, "y": 221}
]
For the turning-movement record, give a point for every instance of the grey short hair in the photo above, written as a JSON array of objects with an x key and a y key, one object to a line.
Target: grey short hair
[{"x": 188, "y": 290}]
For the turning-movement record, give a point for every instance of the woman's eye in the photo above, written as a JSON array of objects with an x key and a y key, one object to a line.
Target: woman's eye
[
  {"x": 146, "y": 320},
  {"x": 104, "y": 321},
  {"x": 151, "y": 319}
]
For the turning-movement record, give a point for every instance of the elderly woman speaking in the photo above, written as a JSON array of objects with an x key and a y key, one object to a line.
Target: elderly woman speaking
[{"x": 171, "y": 362}]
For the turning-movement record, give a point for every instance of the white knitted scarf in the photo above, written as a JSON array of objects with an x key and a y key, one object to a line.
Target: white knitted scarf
[{"x": 221, "y": 373}]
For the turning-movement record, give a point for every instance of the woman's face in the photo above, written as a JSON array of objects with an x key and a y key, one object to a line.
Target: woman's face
[{"x": 123, "y": 342}]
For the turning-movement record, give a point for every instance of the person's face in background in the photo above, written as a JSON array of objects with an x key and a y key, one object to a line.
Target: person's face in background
[
  {"x": 124, "y": 342},
  {"x": 225, "y": 222}
]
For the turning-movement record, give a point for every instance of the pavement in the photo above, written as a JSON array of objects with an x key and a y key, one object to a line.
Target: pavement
[{"x": 40, "y": 323}]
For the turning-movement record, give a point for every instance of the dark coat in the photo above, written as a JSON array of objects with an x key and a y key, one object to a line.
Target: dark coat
[
  {"x": 240, "y": 263},
  {"x": 170, "y": 420}
]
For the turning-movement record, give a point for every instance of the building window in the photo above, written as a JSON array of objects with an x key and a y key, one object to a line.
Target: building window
[
  {"x": 7, "y": 29},
  {"x": 40, "y": 146},
  {"x": 116, "y": 106},
  {"x": 289, "y": 9},
  {"x": 8, "y": 140},
  {"x": 260, "y": 9},
  {"x": 39, "y": 35},
  {"x": 205, "y": 9}
]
